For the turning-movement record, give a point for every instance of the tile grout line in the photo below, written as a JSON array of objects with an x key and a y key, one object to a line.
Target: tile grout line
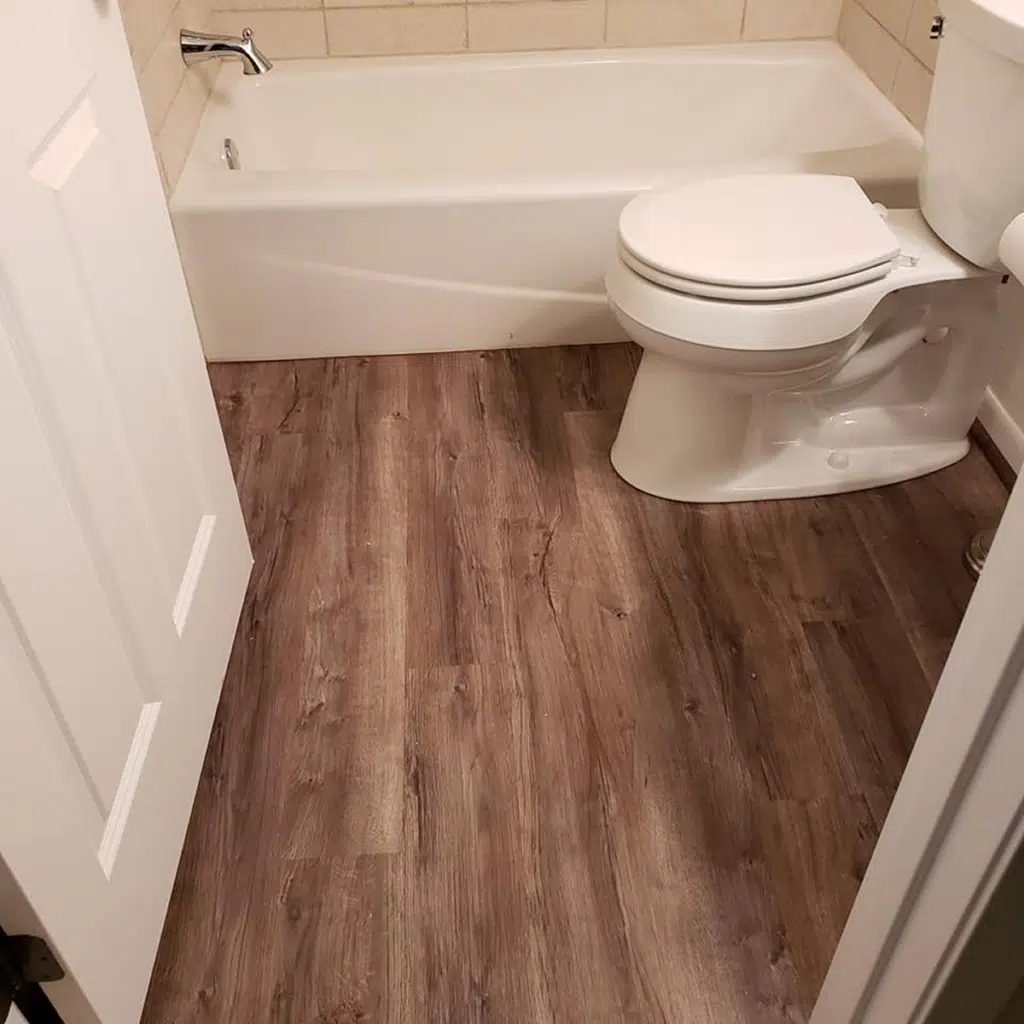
[
  {"x": 163, "y": 29},
  {"x": 902, "y": 43},
  {"x": 183, "y": 84}
]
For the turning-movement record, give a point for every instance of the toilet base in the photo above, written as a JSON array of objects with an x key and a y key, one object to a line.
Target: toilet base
[
  {"x": 684, "y": 439},
  {"x": 803, "y": 471}
]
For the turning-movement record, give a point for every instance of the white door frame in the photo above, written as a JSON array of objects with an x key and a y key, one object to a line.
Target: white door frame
[{"x": 956, "y": 821}]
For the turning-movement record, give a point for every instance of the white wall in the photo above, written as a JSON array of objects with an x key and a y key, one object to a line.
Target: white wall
[{"x": 1003, "y": 412}]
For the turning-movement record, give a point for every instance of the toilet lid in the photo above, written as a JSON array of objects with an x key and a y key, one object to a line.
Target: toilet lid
[{"x": 770, "y": 231}]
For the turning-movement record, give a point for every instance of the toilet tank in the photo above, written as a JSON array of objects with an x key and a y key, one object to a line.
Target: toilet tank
[{"x": 972, "y": 178}]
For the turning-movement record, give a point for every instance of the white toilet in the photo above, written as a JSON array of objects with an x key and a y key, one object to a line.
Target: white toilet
[{"x": 798, "y": 340}]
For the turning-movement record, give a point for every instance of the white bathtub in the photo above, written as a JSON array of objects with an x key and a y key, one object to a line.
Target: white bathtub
[{"x": 430, "y": 204}]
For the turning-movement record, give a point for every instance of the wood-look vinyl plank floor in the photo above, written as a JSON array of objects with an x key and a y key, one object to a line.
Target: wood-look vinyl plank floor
[{"x": 504, "y": 740}]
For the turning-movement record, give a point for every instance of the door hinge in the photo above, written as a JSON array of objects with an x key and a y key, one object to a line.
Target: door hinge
[{"x": 25, "y": 961}]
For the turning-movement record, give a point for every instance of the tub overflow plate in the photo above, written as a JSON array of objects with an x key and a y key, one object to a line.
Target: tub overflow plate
[{"x": 231, "y": 157}]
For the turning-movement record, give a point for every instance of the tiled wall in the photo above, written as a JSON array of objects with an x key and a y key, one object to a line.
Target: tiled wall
[
  {"x": 316, "y": 28},
  {"x": 890, "y": 40},
  {"x": 173, "y": 100}
]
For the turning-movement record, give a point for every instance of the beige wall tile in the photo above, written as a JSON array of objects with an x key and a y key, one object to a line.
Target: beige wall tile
[
  {"x": 912, "y": 89},
  {"x": 389, "y": 3},
  {"x": 368, "y": 31},
  {"x": 892, "y": 15},
  {"x": 161, "y": 77},
  {"x": 870, "y": 45},
  {"x": 266, "y": 5},
  {"x": 279, "y": 34},
  {"x": 919, "y": 40},
  {"x": 791, "y": 19},
  {"x": 524, "y": 24},
  {"x": 178, "y": 131},
  {"x": 900, "y": 67},
  {"x": 549, "y": 24},
  {"x": 653, "y": 22},
  {"x": 172, "y": 97},
  {"x": 144, "y": 24},
  {"x": 160, "y": 80}
]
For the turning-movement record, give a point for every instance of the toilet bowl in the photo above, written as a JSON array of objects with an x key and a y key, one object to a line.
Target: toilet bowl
[
  {"x": 771, "y": 310},
  {"x": 799, "y": 340}
]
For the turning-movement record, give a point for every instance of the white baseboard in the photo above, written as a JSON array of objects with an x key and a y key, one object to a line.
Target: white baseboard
[{"x": 1007, "y": 435}]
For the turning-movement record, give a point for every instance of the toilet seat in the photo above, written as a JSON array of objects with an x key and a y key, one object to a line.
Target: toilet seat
[
  {"x": 758, "y": 238},
  {"x": 749, "y": 327},
  {"x": 726, "y": 293}
]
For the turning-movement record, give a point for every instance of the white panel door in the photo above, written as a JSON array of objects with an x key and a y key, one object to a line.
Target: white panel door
[{"x": 123, "y": 555}]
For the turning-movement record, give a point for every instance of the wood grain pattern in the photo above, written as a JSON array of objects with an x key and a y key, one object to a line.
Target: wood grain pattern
[{"x": 504, "y": 740}]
